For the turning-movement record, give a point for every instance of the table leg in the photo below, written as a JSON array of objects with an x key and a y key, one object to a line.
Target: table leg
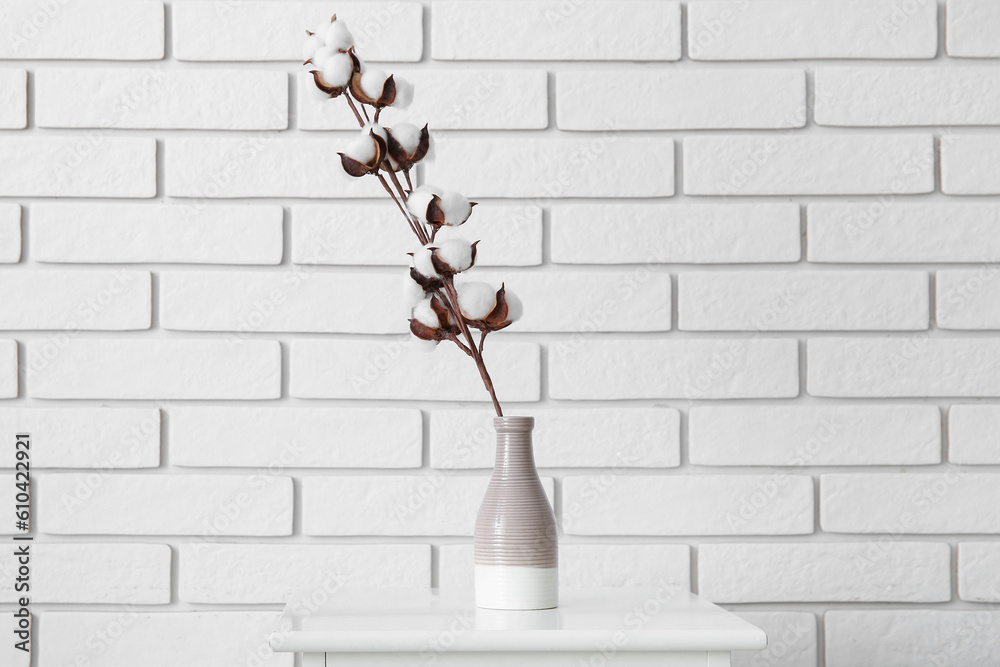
[{"x": 314, "y": 660}]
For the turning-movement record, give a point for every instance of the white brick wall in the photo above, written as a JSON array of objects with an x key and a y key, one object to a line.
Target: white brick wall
[{"x": 759, "y": 246}]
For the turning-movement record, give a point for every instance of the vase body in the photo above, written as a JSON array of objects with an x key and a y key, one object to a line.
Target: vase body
[{"x": 516, "y": 541}]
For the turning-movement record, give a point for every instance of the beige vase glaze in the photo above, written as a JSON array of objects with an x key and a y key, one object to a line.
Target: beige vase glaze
[{"x": 517, "y": 553}]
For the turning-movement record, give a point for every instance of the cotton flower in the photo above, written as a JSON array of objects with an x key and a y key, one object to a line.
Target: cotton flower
[
  {"x": 373, "y": 87},
  {"x": 453, "y": 256},
  {"x": 436, "y": 207},
  {"x": 487, "y": 309},
  {"x": 365, "y": 154},
  {"x": 337, "y": 36},
  {"x": 413, "y": 292},
  {"x": 424, "y": 313},
  {"x": 422, "y": 261},
  {"x": 431, "y": 320},
  {"x": 329, "y": 50},
  {"x": 476, "y": 299},
  {"x": 408, "y": 145}
]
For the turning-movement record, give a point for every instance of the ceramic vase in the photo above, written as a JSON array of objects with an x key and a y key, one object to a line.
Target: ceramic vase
[{"x": 516, "y": 541}]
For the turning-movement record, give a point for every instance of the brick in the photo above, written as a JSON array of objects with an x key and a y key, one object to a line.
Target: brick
[
  {"x": 791, "y": 639},
  {"x": 563, "y": 438},
  {"x": 174, "y": 504},
  {"x": 255, "y": 30},
  {"x": 10, "y": 233},
  {"x": 88, "y": 165},
  {"x": 161, "y": 639},
  {"x": 969, "y": 164},
  {"x": 968, "y": 299},
  {"x": 681, "y": 99},
  {"x": 974, "y": 434},
  {"x": 588, "y": 565},
  {"x": 262, "y": 165},
  {"x": 166, "y": 99},
  {"x": 629, "y": 233},
  {"x": 398, "y": 368},
  {"x": 611, "y": 165},
  {"x": 164, "y": 233},
  {"x": 979, "y": 571},
  {"x": 435, "y": 504},
  {"x": 101, "y": 299},
  {"x": 8, "y": 369},
  {"x": 342, "y": 235},
  {"x": 148, "y": 369},
  {"x": 456, "y": 99},
  {"x": 814, "y": 435},
  {"x": 840, "y": 164},
  {"x": 909, "y": 503},
  {"x": 903, "y": 366},
  {"x": 78, "y": 573},
  {"x": 852, "y": 232},
  {"x": 898, "y": 637},
  {"x": 13, "y": 99},
  {"x": 803, "y": 300},
  {"x": 273, "y": 573},
  {"x": 972, "y": 25},
  {"x": 777, "y": 30},
  {"x": 292, "y": 300},
  {"x": 898, "y": 96},
  {"x": 296, "y": 438},
  {"x": 851, "y": 572},
  {"x": 586, "y": 301},
  {"x": 613, "y": 504},
  {"x": 105, "y": 438},
  {"x": 593, "y": 369},
  {"x": 551, "y": 30},
  {"x": 109, "y": 30}
]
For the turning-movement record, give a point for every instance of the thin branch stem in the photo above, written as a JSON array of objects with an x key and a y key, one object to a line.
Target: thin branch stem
[
  {"x": 364, "y": 110},
  {"x": 482, "y": 339},
  {"x": 395, "y": 181},
  {"x": 416, "y": 230},
  {"x": 409, "y": 183},
  {"x": 449, "y": 286},
  {"x": 354, "y": 108},
  {"x": 378, "y": 112}
]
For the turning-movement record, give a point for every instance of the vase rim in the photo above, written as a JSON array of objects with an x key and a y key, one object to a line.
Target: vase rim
[{"x": 515, "y": 422}]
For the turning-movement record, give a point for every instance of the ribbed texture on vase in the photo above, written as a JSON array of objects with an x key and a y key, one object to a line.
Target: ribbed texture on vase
[{"x": 516, "y": 526}]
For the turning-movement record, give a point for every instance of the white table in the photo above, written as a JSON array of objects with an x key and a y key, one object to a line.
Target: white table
[{"x": 624, "y": 627}]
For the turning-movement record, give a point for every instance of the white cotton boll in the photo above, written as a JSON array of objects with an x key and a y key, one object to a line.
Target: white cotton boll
[
  {"x": 311, "y": 46},
  {"x": 408, "y": 136},
  {"x": 419, "y": 200},
  {"x": 515, "y": 309},
  {"x": 412, "y": 292},
  {"x": 336, "y": 70},
  {"x": 476, "y": 299},
  {"x": 404, "y": 93},
  {"x": 456, "y": 207},
  {"x": 361, "y": 149},
  {"x": 322, "y": 55},
  {"x": 320, "y": 29},
  {"x": 337, "y": 36},
  {"x": 423, "y": 264},
  {"x": 372, "y": 82},
  {"x": 424, "y": 313},
  {"x": 456, "y": 253}
]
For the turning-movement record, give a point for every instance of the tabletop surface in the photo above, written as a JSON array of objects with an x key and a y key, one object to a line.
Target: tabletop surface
[{"x": 636, "y": 619}]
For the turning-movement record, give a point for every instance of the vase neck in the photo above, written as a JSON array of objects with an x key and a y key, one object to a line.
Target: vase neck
[{"x": 515, "y": 456}]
